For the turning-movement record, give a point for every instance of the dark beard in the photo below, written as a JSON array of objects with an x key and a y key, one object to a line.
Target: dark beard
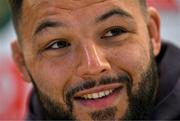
[{"x": 140, "y": 102}]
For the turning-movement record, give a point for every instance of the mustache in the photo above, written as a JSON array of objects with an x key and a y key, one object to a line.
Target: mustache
[{"x": 87, "y": 84}]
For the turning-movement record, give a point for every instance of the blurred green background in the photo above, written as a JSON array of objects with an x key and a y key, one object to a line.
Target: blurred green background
[{"x": 4, "y": 13}]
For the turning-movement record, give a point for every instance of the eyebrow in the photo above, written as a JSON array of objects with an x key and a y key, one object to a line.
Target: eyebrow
[
  {"x": 46, "y": 24},
  {"x": 116, "y": 11}
]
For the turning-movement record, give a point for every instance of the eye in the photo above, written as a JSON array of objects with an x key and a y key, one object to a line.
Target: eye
[
  {"x": 58, "y": 44},
  {"x": 115, "y": 31}
]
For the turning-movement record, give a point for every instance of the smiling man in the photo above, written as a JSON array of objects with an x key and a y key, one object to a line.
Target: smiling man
[{"x": 95, "y": 60}]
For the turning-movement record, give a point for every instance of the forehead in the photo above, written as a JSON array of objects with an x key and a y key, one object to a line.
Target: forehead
[
  {"x": 71, "y": 4},
  {"x": 35, "y": 11},
  {"x": 42, "y": 8},
  {"x": 64, "y": 4}
]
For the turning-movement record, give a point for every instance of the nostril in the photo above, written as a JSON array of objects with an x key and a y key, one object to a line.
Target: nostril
[{"x": 104, "y": 70}]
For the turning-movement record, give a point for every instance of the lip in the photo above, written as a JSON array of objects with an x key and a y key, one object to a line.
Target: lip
[
  {"x": 98, "y": 89},
  {"x": 101, "y": 103}
]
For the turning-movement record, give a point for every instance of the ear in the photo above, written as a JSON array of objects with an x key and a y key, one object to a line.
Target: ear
[
  {"x": 154, "y": 30},
  {"x": 19, "y": 60}
]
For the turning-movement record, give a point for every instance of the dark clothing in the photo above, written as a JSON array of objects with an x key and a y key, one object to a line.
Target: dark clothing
[{"x": 168, "y": 99}]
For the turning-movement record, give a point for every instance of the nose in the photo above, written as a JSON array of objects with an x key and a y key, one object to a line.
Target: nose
[{"x": 92, "y": 62}]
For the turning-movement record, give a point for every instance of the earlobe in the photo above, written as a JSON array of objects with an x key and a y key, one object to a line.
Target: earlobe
[
  {"x": 19, "y": 60},
  {"x": 154, "y": 30}
]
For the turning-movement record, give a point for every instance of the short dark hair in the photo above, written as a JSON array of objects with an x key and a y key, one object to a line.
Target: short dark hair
[{"x": 16, "y": 8}]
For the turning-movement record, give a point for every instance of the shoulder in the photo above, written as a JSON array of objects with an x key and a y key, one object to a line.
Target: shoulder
[
  {"x": 169, "y": 62},
  {"x": 169, "y": 53},
  {"x": 167, "y": 105}
]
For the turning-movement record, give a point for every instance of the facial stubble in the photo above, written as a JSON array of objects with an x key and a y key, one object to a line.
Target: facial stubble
[{"x": 140, "y": 102}]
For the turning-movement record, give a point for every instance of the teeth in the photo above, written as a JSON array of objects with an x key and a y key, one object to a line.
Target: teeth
[
  {"x": 107, "y": 93},
  {"x": 89, "y": 96},
  {"x": 101, "y": 94},
  {"x": 86, "y": 97},
  {"x": 97, "y": 95}
]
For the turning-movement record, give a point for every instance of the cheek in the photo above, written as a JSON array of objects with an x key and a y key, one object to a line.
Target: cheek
[
  {"x": 133, "y": 59},
  {"x": 52, "y": 75}
]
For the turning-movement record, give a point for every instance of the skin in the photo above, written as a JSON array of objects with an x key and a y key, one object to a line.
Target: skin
[{"x": 91, "y": 52}]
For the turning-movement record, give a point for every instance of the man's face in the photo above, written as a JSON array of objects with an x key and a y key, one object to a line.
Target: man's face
[{"x": 89, "y": 59}]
